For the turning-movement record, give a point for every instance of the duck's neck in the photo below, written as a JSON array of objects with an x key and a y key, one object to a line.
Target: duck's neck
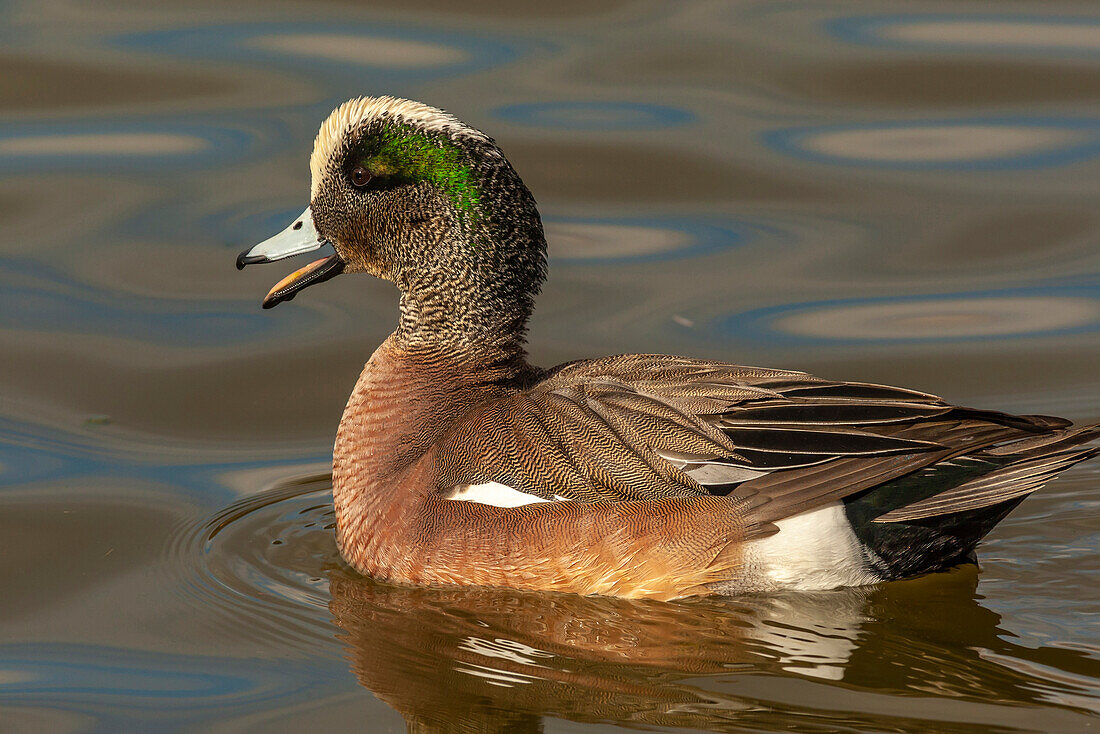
[
  {"x": 480, "y": 325},
  {"x": 404, "y": 401},
  {"x": 471, "y": 289}
]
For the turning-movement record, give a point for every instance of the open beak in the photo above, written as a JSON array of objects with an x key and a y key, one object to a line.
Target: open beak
[{"x": 301, "y": 236}]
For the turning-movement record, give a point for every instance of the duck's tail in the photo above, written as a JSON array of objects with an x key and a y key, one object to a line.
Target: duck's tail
[{"x": 913, "y": 531}]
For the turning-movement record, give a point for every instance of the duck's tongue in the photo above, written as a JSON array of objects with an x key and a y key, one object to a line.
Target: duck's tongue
[
  {"x": 301, "y": 236},
  {"x": 317, "y": 271}
]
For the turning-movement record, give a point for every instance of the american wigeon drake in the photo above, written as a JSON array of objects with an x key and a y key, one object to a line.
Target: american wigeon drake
[{"x": 640, "y": 475}]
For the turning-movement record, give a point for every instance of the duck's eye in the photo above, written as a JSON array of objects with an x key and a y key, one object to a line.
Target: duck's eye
[{"x": 360, "y": 176}]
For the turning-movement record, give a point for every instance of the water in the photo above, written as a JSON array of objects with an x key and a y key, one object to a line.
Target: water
[{"x": 875, "y": 191}]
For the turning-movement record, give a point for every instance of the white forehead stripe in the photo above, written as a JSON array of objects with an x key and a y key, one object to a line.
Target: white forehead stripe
[{"x": 355, "y": 112}]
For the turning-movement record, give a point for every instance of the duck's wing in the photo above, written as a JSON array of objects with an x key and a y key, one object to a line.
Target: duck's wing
[{"x": 652, "y": 426}]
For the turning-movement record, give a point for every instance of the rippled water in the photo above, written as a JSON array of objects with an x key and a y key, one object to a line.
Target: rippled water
[{"x": 895, "y": 192}]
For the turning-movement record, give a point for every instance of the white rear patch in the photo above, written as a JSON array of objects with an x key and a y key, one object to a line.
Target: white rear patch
[
  {"x": 813, "y": 551},
  {"x": 495, "y": 494}
]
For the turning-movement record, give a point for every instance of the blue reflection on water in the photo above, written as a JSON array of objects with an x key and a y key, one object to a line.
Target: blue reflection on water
[
  {"x": 762, "y": 324},
  {"x": 21, "y": 464},
  {"x": 39, "y": 298},
  {"x": 594, "y": 115},
  {"x": 33, "y": 453},
  {"x": 1082, "y": 142},
  {"x": 119, "y": 683},
  {"x": 134, "y": 144},
  {"x": 415, "y": 54},
  {"x": 30, "y": 452},
  {"x": 1049, "y": 34}
]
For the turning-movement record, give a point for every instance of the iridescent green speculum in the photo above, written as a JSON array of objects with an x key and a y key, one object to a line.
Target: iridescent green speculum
[{"x": 409, "y": 156}]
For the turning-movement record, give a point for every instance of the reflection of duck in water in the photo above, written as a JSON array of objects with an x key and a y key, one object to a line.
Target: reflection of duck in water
[
  {"x": 639, "y": 475},
  {"x": 490, "y": 660}
]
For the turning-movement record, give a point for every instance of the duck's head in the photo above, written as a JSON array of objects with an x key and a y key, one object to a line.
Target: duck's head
[{"x": 408, "y": 193}]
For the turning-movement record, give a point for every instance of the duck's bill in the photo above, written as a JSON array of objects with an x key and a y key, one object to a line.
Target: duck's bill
[
  {"x": 316, "y": 272},
  {"x": 300, "y": 237}
]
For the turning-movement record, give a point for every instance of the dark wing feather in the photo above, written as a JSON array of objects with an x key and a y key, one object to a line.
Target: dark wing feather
[
  {"x": 839, "y": 412},
  {"x": 994, "y": 488}
]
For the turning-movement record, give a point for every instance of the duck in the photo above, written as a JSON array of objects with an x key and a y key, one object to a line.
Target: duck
[{"x": 458, "y": 462}]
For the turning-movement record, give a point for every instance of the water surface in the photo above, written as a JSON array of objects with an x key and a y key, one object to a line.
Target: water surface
[{"x": 893, "y": 192}]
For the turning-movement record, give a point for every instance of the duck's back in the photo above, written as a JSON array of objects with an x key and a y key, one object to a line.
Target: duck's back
[{"x": 838, "y": 483}]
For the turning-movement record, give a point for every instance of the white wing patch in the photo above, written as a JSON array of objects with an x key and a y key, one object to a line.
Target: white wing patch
[
  {"x": 497, "y": 495},
  {"x": 716, "y": 473},
  {"x": 363, "y": 109},
  {"x": 712, "y": 472}
]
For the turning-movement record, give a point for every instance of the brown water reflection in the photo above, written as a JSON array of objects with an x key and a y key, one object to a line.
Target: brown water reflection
[{"x": 493, "y": 660}]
